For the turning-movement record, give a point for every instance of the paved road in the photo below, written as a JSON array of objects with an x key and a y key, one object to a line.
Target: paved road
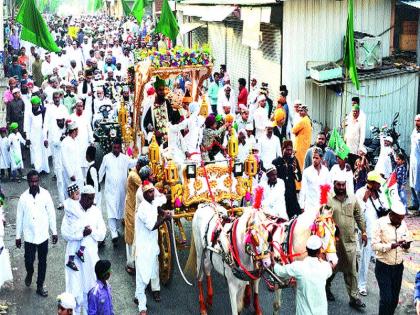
[{"x": 177, "y": 298}]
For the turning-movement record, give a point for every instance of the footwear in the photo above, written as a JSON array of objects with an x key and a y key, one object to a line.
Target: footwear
[
  {"x": 115, "y": 241},
  {"x": 156, "y": 296},
  {"x": 72, "y": 265},
  {"x": 60, "y": 206},
  {"x": 330, "y": 296},
  {"x": 413, "y": 208},
  {"x": 42, "y": 292},
  {"x": 101, "y": 244},
  {"x": 357, "y": 304},
  {"x": 143, "y": 313},
  {"x": 28, "y": 280},
  {"x": 130, "y": 271},
  {"x": 81, "y": 255},
  {"x": 363, "y": 292},
  {"x": 136, "y": 301}
]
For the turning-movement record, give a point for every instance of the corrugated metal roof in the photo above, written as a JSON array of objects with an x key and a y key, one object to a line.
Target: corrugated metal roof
[
  {"x": 415, "y": 4},
  {"x": 231, "y": 2}
]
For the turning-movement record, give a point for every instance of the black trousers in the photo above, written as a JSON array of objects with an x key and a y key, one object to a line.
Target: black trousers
[
  {"x": 214, "y": 109},
  {"x": 389, "y": 279},
  {"x": 30, "y": 251}
]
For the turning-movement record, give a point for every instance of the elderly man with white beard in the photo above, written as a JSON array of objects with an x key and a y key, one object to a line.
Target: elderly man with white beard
[{"x": 91, "y": 228}]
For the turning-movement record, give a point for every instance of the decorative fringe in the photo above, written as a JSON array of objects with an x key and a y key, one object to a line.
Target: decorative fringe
[
  {"x": 259, "y": 192},
  {"x": 325, "y": 189}
]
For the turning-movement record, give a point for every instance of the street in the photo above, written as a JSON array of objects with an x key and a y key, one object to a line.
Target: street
[{"x": 178, "y": 297}]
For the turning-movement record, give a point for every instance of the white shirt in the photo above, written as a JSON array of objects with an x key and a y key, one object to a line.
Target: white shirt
[
  {"x": 310, "y": 193},
  {"x": 368, "y": 209},
  {"x": 269, "y": 149},
  {"x": 311, "y": 275},
  {"x": 35, "y": 216},
  {"x": 355, "y": 132},
  {"x": 273, "y": 200}
]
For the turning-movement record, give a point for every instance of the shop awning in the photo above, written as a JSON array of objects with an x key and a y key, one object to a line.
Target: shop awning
[
  {"x": 188, "y": 27},
  {"x": 414, "y": 4},
  {"x": 217, "y": 13}
]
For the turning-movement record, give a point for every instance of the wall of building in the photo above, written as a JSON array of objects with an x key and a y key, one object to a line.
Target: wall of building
[
  {"x": 380, "y": 99},
  {"x": 313, "y": 31}
]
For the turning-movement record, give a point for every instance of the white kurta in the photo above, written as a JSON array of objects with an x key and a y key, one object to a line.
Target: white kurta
[
  {"x": 273, "y": 200},
  {"x": 15, "y": 153},
  {"x": 355, "y": 132},
  {"x": 84, "y": 137},
  {"x": 116, "y": 170},
  {"x": 260, "y": 120},
  {"x": 80, "y": 282},
  {"x": 384, "y": 165},
  {"x": 6, "y": 270},
  {"x": 194, "y": 136},
  {"x": 72, "y": 166},
  {"x": 311, "y": 275},
  {"x": 4, "y": 153},
  {"x": 269, "y": 149},
  {"x": 415, "y": 160},
  {"x": 310, "y": 193},
  {"x": 146, "y": 240},
  {"x": 176, "y": 143},
  {"x": 37, "y": 134}
]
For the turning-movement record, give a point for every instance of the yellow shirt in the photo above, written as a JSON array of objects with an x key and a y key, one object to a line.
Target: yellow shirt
[{"x": 386, "y": 234}]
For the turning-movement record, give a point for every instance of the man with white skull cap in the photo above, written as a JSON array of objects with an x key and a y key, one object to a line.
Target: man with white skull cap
[
  {"x": 391, "y": 240},
  {"x": 310, "y": 294},
  {"x": 66, "y": 303}
]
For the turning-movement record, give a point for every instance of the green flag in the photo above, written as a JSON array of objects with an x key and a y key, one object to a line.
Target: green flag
[
  {"x": 338, "y": 145},
  {"x": 349, "y": 52},
  {"x": 98, "y": 5},
  {"x": 126, "y": 8},
  {"x": 167, "y": 25},
  {"x": 138, "y": 10},
  {"x": 34, "y": 28}
]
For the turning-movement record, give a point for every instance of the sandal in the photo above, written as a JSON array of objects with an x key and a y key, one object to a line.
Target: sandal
[
  {"x": 72, "y": 265},
  {"x": 130, "y": 271}
]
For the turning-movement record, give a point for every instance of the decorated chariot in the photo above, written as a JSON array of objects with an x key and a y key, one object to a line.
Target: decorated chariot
[{"x": 189, "y": 183}]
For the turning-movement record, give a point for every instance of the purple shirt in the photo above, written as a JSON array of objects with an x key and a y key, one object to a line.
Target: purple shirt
[
  {"x": 100, "y": 300},
  {"x": 14, "y": 41}
]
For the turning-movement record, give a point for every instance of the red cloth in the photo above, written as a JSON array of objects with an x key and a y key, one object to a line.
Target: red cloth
[{"x": 243, "y": 97}]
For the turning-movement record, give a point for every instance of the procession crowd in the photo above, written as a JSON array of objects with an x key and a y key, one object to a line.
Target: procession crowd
[{"x": 55, "y": 102}]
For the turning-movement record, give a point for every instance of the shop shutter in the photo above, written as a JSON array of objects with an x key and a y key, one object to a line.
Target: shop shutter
[
  {"x": 265, "y": 61},
  {"x": 237, "y": 55},
  {"x": 216, "y": 33}
]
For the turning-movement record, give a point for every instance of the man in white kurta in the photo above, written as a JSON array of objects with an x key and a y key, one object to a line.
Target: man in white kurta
[
  {"x": 312, "y": 178},
  {"x": 415, "y": 165},
  {"x": 355, "y": 129},
  {"x": 269, "y": 146},
  {"x": 57, "y": 114},
  {"x": 273, "y": 202},
  {"x": 36, "y": 132},
  {"x": 85, "y": 134},
  {"x": 91, "y": 228},
  {"x": 311, "y": 275},
  {"x": 115, "y": 165},
  {"x": 147, "y": 223},
  {"x": 260, "y": 116},
  {"x": 70, "y": 156}
]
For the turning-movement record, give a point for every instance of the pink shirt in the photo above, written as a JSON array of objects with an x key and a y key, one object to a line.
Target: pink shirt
[{"x": 7, "y": 96}]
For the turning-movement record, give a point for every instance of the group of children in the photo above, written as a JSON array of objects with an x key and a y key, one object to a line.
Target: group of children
[{"x": 11, "y": 161}]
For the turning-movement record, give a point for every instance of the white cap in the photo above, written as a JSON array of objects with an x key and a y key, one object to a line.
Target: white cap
[
  {"x": 389, "y": 139},
  {"x": 270, "y": 169},
  {"x": 87, "y": 189},
  {"x": 314, "y": 242},
  {"x": 72, "y": 126},
  {"x": 340, "y": 177},
  {"x": 67, "y": 300},
  {"x": 35, "y": 89},
  {"x": 260, "y": 98},
  {"x": 398, "y": 208},
  {"x": 417, "y": 117},
  {"x": 15, "y": 90},
  {"x": 249, "y": 126}
]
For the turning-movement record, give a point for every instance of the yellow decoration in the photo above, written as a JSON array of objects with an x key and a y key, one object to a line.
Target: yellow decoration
[
  {"x": 122, "y": 118},
  {"x": 204, "y": 108},
  {"x": 233, "y": 145},
  {"x": 279, "y": 116},
  {"x": 171, "y": 173},
  {"x": 154, "y": 154},
  {"x": 251, "y": 165}
]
